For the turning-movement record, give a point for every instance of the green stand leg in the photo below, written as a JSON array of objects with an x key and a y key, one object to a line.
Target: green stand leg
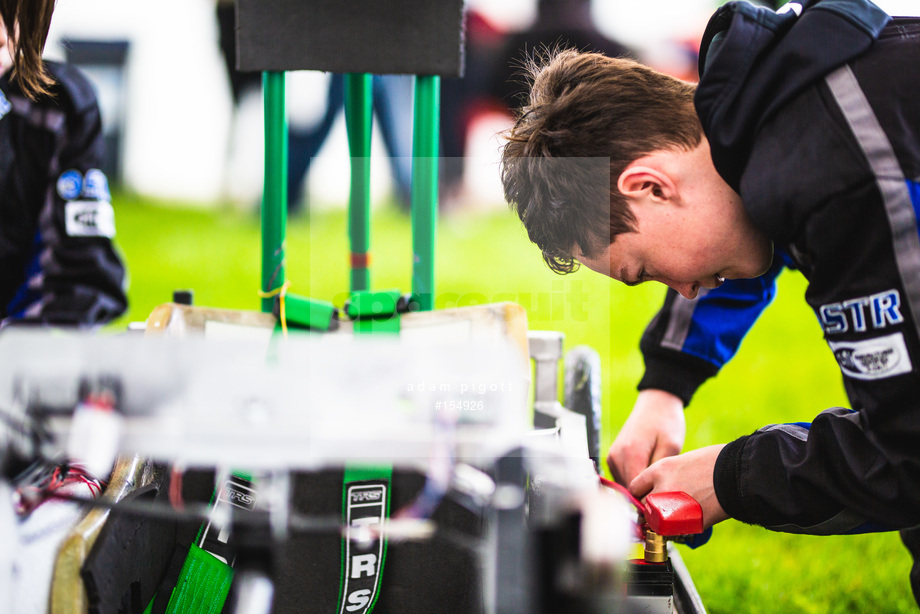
[
  {"x": 425, "y": 187},
  {"x": 274, "y": 196},
  {"x": 358, "y": 115}
]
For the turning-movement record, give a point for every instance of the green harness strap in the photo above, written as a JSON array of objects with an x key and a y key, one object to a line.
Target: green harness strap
[
  {"x": 365, "y": 502},
  {"x": 203, "y": 583},
  {"x": 203, "y": 586},
  {"x": 366, "y": 489}
]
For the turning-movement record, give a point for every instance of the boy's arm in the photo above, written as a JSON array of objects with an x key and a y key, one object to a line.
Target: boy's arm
[
  {"x": 686, "y": 343},
  {"x": 832, "y": 476}
]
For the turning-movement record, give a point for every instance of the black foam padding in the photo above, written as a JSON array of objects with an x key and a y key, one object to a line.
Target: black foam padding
[
  {"x": 124, "y": 568},
  {"x": 122, "y": 571},
  {"x": 420, "y": 37}
]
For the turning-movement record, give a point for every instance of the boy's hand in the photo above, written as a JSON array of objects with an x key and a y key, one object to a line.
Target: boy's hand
[
  {"x": 690, "y": 473},
  {"x": 654, "y": 430}
]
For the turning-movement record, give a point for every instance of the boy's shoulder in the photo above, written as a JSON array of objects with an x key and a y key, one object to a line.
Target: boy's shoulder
[{"x": 801, "y": 158}]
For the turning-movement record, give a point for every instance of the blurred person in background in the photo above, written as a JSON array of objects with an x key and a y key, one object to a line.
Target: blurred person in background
[
  {"x": 464, "y": 98},
  {"x": 564, "y": 24},
  {"x": 58, "y": 264},
  {"x": 393, "y": 100},
  {"x": 493, "y": 82}
]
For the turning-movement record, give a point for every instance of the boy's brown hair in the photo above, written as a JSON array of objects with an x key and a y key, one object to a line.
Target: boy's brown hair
[
  {"x": 587, "y": 118},
  {"x": 27, "y": 23}
]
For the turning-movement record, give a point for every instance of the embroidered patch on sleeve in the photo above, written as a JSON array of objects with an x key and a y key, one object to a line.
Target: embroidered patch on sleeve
[
  {"x": 89, "y": 218},
  {"x": 875, "y": 358},
  {"x": 70, "y": 184}
]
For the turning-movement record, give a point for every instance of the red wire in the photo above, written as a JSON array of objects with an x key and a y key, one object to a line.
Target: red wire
[
  {"x": 622, "y": 490},
  {"x": 57, "y": 480},
  {"x": 33, "y": 495},
  {"x": 175, "y": 487},
  {"x": 95, "y": 487}
]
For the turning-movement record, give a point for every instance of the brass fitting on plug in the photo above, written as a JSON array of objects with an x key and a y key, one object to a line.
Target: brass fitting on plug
[{"x": 655, "y": 550}]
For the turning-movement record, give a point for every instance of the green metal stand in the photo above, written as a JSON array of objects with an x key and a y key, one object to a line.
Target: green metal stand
[
  {"x": 358, "y": 122},
  {"x": 274, "y": 196},
  {"x": 425, "y": 187},
  {"x": 358, "y": 117}
]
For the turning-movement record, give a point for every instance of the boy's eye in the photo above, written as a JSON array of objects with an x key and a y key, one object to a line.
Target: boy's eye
[{"x": 634, "y": 281}]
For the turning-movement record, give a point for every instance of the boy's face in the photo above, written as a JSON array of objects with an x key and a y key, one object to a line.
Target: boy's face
[{"x": 695, "y": 236}]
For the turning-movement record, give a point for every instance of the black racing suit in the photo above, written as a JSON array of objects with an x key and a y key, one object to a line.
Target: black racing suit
[
  {"x": 57, "y": 261},
  {"x": 815, "y": 121}
]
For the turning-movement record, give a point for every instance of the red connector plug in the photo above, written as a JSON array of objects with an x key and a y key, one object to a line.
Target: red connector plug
[
  {"x": 669, "y": 514},
  {"x": 673, "y": 513}
]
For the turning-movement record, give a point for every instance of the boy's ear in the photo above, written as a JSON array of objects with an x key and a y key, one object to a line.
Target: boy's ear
[{"x": 638, "y": 181}]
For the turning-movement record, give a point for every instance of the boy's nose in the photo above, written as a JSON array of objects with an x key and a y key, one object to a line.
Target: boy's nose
[{"x": 688, "y": 290}]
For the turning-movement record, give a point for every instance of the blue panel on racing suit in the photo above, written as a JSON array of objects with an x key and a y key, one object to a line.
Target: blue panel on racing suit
[{"x": 724, "y": 315}]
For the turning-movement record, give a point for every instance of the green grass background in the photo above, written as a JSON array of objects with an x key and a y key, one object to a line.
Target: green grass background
[{"x": 783, "y": 373}]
